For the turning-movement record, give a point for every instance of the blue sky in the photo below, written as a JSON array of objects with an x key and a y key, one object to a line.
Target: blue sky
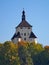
[{"x": 37, "y": 14}]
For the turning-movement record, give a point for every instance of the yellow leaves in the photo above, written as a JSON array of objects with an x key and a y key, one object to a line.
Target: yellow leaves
[
  {"x": 12, "y": 45},
  {"x": 20, "y": 52},
  {"x": 1, "y": 44},
  {"x": 13, "y": 57},
  {"x": 22, "y": 43},
  {"x": 46, "y": 47}
]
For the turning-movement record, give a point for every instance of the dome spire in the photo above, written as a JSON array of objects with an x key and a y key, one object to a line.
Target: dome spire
[{"x": 23, "y": 15}]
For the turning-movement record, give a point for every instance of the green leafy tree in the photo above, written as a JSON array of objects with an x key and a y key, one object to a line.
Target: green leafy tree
[
  {"x": 9, "y": 54},
  {"x": 24, "y": 55}
]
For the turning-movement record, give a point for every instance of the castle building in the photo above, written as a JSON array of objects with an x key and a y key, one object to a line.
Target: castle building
[{"x": 24, "y": 31}]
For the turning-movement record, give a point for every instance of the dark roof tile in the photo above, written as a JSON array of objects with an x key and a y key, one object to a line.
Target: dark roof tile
[
  {"x": 16, "y": 35},
  {"x": 32, "y": 35}
]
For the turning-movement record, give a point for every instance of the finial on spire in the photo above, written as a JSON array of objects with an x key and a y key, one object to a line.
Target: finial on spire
[{"x": 23, "y": 14}]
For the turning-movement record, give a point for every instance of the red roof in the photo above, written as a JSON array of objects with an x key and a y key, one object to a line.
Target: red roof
[{"x": 24, "y": 23}]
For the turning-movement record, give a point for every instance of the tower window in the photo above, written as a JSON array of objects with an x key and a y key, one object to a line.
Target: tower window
[
  {"x": 21, "y": 27},
  {"x": 24, "y": 38},
  {"x": 28, "y": 27},
  {"x": 24, "y": 34}
]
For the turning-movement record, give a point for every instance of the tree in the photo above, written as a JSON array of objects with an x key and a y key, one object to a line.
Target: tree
[
  {"x": 24, "y": 55},
  {"x": 9, "y": 54}
]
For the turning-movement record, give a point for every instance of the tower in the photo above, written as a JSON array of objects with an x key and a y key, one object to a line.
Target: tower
[{"x": 24, "y": 31}]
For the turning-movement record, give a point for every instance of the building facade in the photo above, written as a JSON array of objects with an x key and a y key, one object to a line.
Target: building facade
[{"x": 24, "y": 31}]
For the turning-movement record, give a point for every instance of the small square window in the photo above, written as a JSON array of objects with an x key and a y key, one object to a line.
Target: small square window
[
  {"x": 24, "y": 34},
  {"x": 24, "y": 38},
  {"x": 28, "y": 27},
  {"x": 21, "y": 27}
]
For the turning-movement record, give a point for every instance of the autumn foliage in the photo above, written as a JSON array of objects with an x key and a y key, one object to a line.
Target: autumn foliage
[
  {"x": 46, "y": 47},
  {"x": 23, "y": 53}
]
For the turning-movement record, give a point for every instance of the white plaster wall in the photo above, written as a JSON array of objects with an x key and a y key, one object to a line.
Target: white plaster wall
[
  {"x": 33, "y": 40},
  {"x": 24, "y": 30},
  {"x": 15, "y": 40}
]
